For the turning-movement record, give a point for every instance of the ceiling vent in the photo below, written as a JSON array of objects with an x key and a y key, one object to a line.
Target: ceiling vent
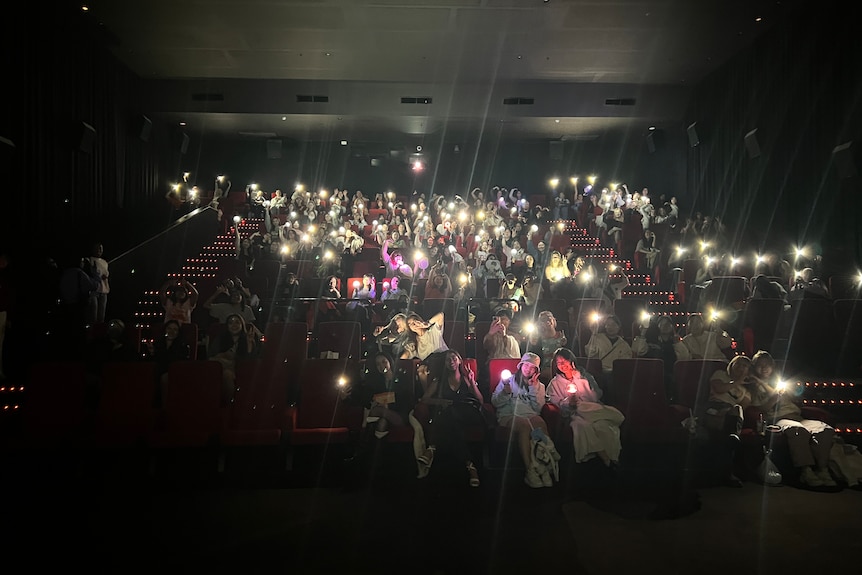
[
  {"x": 411, "y": 100},
  {"x": 208, "y": 97},
  {"x": 314, "y": 99},
  {"x": 517, "y": 101},
  {"x": 620, "y": 102}
]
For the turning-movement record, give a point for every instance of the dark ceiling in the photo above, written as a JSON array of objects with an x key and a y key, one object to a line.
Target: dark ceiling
[{"x": 244, "y": 66}]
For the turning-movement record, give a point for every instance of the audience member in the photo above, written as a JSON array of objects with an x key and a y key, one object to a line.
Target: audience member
[
  {"x": 545, "y": 339},
  {"x": 607, "y": 344},
  {"x": 166, "y": 349},
  {"x": 729, "y": 396},
  {"x": 518, "y": 401},
  {"x": 382, "y": 393},
  {"x": 99, "y": 296},
  {"x": 808, "y": 440},
  {"x": 595, "y": 426},
  {"x": 450, "y": 405},
  {"x": 235, "y": 342},
  {"x": 702, "y": 343},
  {"x": 236, "y": 304},
  {"x": 179, "y": 299}
]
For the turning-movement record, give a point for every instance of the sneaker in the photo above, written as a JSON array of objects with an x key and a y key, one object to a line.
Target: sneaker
[
  {"x": 825, "y": 477},
  {"x": 532, "y": 478},
  {"x": 809, "y": 478},
  {"x": 381, "y": 434},
  {"x": 546, "y": 479}
]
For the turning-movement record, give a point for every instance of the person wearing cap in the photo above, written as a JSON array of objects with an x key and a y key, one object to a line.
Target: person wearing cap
[
  {"x": 595, "y": 426},
  {"x": 518, "y": 401}
]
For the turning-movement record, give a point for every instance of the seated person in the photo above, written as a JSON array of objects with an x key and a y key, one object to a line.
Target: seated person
[
  {"x": 663, "y": 343},
  {"x": 545, "y": 339},
  {"x": 236, "y": 304},
  {"x": 382, "y": 394},
  {"x": 236, "y": 342},
  {"x": 498, "y": 343},
  {"x": 396, "y": 339},
  {"x": 392, "y": 291},
  {"x": 807, "y": 286},
  {"x": 700, "y": 343},
  {"x": 450, "y": 405},
  {"x": 728, "y": 397},
  {"x": 608, "y": 345},
  {"x": 595, "y": 426},
  {"x": 808, "y": 440},
  {"x": 518, "y": 402}
]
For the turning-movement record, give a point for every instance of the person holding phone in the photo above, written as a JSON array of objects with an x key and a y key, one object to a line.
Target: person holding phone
[
  {"x": 498, "y": 343},
  {"x": 595, "y": 426},
  {"x": 518, "y": 400}
]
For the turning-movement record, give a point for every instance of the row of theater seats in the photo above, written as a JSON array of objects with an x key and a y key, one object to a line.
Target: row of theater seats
[
  {"x": 58, "y": 414},
  {"x": 66, "y": 409}
]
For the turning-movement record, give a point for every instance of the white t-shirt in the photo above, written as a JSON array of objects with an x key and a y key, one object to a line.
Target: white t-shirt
[{"x": 430, "y": 342}]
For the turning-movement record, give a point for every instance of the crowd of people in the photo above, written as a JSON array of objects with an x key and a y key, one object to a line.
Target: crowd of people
[{"x": 498, "y": 253}]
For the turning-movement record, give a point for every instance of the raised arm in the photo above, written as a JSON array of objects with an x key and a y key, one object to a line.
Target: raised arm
[
  {"x": 437, "y": 319},
  {"x": 384, "y": 252}
]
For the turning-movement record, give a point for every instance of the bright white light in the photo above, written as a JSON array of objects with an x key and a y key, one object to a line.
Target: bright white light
[
  {"x": 554, "y": 182},
  {"x": 505, "y": 375},
  {"x": 237, "y": 219}
]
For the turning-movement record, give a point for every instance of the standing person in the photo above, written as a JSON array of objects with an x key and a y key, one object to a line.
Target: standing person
[
  {"x": 99, "y": 297},
  {"x": 179, "y": 299},
  {"x": 518, "y": 402},
  {"x": 77, "y": 281},
  {"x": 595, "y": 426}
]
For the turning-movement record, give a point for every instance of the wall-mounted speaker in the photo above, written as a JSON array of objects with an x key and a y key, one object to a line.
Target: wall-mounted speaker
[
  {"x": 752, "y": 145},
  {"x": 184, "y": 143},
  {"x": 86, "y": 135},
  {"x": 273, "y": 149},
  {"x": 144, "y": 128},
  {"x": 693, "y": 138},
  {"x": 844, "y": 160}
]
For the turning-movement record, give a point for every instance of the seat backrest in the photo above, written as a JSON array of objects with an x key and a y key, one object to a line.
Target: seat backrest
[
  {"x": 558, "y": 307},
  {"x": 319, "y": 404},
  {"x": 285, "y": 342},
  {"x": 592, "y": 365},
  {"x": 127, "y": 393},
  {"x": 812, "y": 337},
  {"x": 726, "y": 290},
  {"x": 432, "y": 306},
  {"x": 691, "y": 379},
  {"x": 55, "y": 399},
  {"x": 637, "y": 389},
  {"x": 342, "y": 337},
  {"x": 629, "y": 309},
  {"x": 193, "y": 395},
  {"x": 848, "y": 319},
  {"x": 454, "y": 334},
  {"x": 763, "y": 317},
  {"x": 260, "y": 400},
  {"x": 480, "y": 330}
]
